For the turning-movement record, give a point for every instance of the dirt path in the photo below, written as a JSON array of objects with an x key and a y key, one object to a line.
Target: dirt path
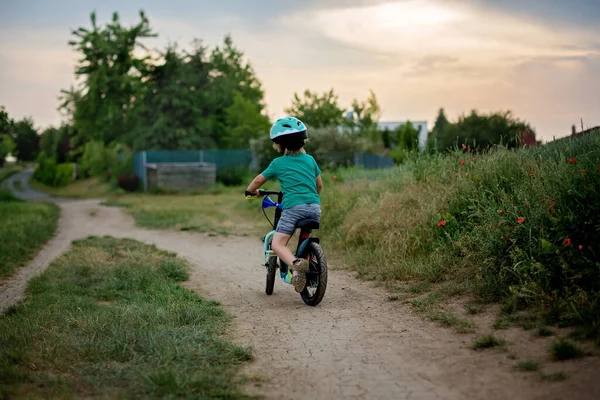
[{"x": 355, "y": 345}]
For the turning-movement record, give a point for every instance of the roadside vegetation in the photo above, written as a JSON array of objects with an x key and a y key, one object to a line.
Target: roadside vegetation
[
  {"x": 26, "y": 227},
  {"x": 109, "y": 319}
]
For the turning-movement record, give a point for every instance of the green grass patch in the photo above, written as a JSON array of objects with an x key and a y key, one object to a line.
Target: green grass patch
[
  {"x": 487, "y": 342},
  {"x": 108, "y": 319},
  {"x": 563, "y": 349},
  {"x": 224, "y": 213},
  {"x": 25, "y": 228},
  {"x": 429, "y": 308},
  {"x": 8, "y": 170},
  {"x": 528, "y": 365},
  {"x": 81, "y": 189}
]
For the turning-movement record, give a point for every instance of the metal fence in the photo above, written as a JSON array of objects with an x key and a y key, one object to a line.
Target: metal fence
[
  {"x": 222, "y": 159},
  {"x": 245, "y": 158}
]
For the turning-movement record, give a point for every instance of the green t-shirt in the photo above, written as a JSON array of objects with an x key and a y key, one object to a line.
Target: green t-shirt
[{"x": 297, "y": 176}]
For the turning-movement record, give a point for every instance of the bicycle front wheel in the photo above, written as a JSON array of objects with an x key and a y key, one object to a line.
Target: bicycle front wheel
[{"x": 271, "y": 271}]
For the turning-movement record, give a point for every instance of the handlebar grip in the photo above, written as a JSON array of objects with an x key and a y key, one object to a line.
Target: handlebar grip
[{"x": 249, "y": 194}]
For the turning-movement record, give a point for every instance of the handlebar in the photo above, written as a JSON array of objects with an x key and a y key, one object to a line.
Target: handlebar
[{"x": 262, "y": 193}]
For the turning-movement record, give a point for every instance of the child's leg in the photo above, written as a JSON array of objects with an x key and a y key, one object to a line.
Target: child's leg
[{"x": 279, "y": 246}]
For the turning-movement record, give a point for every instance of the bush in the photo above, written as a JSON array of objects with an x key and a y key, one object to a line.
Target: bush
[
  {"x": 509, "y": 224},
  {"x": 64, "y": 175},
  {"x": 106, "y": 163},
  {"x": 234, "y": 176},
  {"x": 46, "y": 170},
  {"x": 129, "y": 182}
]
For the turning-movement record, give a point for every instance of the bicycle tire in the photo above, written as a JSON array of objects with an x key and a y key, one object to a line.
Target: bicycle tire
[
  {"x": 317, "y": 275},
  {"x": 271, "y": 272}
]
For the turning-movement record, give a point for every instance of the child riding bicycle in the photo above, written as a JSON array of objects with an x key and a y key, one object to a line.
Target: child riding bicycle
[{"x": 300, "y": 180}]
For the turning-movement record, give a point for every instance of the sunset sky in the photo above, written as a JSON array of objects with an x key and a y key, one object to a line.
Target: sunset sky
[{"x": 538, "y": 58}]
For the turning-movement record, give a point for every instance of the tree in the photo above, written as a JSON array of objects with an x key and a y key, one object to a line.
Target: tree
[
  {"x": 407, "y": 137},
  {"x": 439, "y": 129},
  {"x": 232, "y": 77},
  {"x": 173, "y": 113},
  {"x": 57, "y": 143},
  {"x": 480, "y": 131},
  {"x": 317, "y": 110},
  {"x": 112, "y": 79},
  {"x": 6, "y": 143},
  {"x": 26, "y": 140},
  {"x": 366, "y": 115},
  {"x": 244, "y": 123}
]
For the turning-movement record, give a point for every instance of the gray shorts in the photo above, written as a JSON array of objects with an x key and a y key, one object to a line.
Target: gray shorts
[{"x": 291, "y": 216}]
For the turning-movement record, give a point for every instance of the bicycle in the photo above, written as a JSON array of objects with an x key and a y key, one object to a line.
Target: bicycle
[{"x": 308, "y": 248}]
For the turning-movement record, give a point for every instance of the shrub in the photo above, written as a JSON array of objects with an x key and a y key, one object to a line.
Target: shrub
[
  {"x": 510, "y": 224},
  {"x": 63, "y": 175},
  {"x": 46, "y": 169},
  {"x": 107, "y": 163},
  {"x": 234, "y": 176},
  {"x": 129, "y": 182}
]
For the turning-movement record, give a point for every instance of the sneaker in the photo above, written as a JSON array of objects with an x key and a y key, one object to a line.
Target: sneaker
[{"x": 299, "y": 280}]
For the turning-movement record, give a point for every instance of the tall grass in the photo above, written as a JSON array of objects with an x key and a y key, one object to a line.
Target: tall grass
[
  {"x": 25, "y": 227},
  {"x": 522, "y": 225},
  {"x": 108, "y": 320}
]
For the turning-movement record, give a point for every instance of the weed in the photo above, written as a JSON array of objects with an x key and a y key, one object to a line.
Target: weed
[
  {"x": 512, "y": 356},
  {"x": 419, "y": 287},
  {"x": 544, "y": 331},
  {"x": 472, "y": 309},
  {"x": 563, "y": 349},
  {"x": 528, "y": 365},
  {"x": 554, "y": 376},
  {"x": 487, "y": 342}
]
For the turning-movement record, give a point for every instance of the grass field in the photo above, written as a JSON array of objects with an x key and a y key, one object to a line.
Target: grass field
[
  {"x": 223, "y": 211},
  {"x": 26, "y": 227},
  {"x": 8, "y": 170},
  {"x": 81, "y": 189},
  {"x": 109, "y": 320}
]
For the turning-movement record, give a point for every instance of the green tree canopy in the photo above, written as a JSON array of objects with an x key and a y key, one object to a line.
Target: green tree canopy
[
  {"x": 26, "y": 140},
  {"x": 317, "y": 110}
]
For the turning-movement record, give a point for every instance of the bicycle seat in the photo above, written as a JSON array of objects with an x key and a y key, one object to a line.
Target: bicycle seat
[{"x": 308, "y": 224}]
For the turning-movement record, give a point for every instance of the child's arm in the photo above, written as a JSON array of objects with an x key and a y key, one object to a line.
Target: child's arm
[
  {"x": 319, "y": 184},
  {"x": 256, "y": 183}
]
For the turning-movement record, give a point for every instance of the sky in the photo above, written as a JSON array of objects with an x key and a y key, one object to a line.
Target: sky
[{"x": 538, "y": 58}]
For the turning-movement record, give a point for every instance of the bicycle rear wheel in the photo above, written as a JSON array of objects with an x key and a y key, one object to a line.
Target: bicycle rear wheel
[
  {"x": 316, "y": 277},
  {"x": 271, "y": 271}
]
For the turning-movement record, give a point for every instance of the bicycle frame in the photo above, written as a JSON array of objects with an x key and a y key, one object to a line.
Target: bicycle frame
[{"x": 303, "y": 239}]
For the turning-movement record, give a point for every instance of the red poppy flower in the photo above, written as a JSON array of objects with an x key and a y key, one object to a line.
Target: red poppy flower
[
  {"x": 501, "y": 223},
  {"x": 552, "y": 199},
  {"x": 580, "y": 247},
  {"x": 469, "y": 148},
  {"x": 531, "y": 173},
  {"x": 464, "y": 146},
  {"x": 583, "y": 171},
  {"x": 501, "y": 211},
  {"x": 520, "y": 220},
  {"x": 442, "y": 223},
  {"x": 326, "y": 170},
  {"x": 571, "y": 160},
  {"x": 567, "y": 242},
  {"x": 462, "y": 162},
  {"x": 335, "y": 177}
]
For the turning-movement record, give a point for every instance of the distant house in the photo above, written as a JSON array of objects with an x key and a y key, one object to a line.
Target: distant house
[{"x": 420, "y": 126}]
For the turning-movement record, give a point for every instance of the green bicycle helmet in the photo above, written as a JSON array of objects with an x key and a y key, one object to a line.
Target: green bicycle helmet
[{"x": 290, "y": 133}]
